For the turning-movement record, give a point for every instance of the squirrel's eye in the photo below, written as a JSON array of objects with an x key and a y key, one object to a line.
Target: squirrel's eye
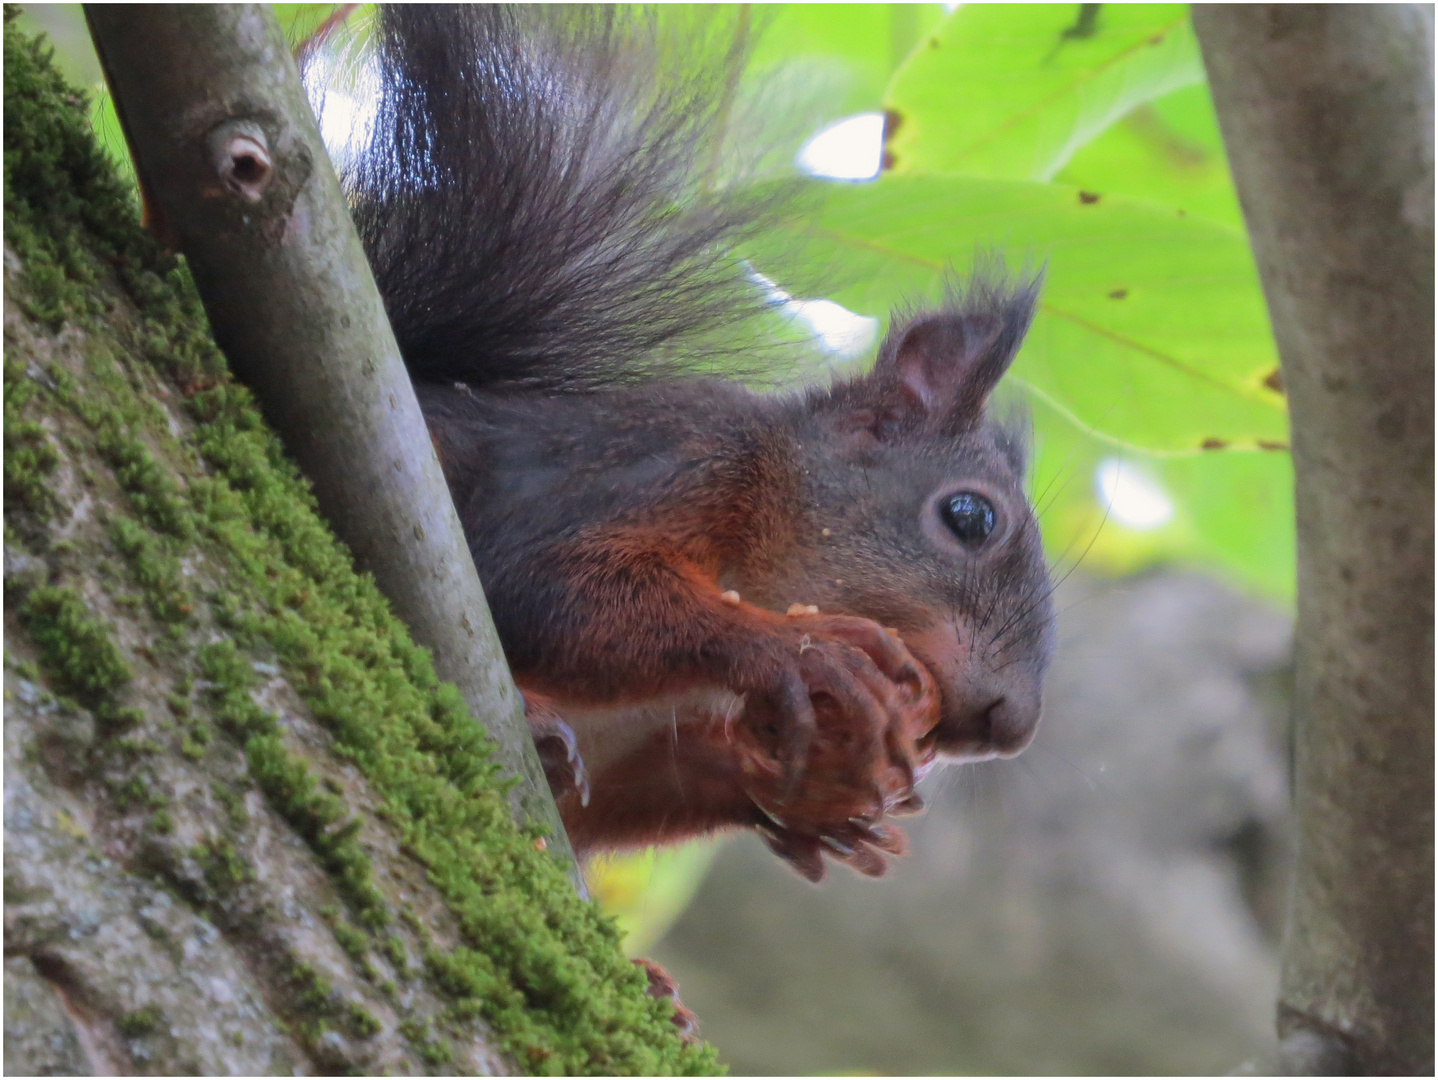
[{"x": 970, "y": 517}]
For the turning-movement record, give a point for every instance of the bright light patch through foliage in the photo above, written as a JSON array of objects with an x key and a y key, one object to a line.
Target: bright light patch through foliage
[
  {"x": 833, "y": 327},
  {"x": 345, "y": 97},
  {"x": 837, "y": 328},
  {"x": 851, "y": 149},
  {"x": 1132, "y": 496}
]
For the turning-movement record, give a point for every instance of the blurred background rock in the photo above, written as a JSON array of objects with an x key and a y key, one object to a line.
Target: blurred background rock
[{"x": 1108, "y": 903}]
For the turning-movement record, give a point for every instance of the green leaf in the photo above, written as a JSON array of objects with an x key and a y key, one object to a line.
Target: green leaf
[
  {"x": 1169, "y": 151},
  {"x": 1151, "y": 328},
  {"x": 1231, "y": 511},
  {"x": 1005, "y": 90},
  {"x": 845, "y": 53},
  {"x": 299, "y": 21},
  {"x": 647, "y": 891},
  {"x": 1241, "y": 509}
]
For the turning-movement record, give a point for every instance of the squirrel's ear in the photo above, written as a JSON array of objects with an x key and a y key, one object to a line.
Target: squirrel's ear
[
  {"x": 943, "y": 365},
  {"x": 939, "y": 367}
]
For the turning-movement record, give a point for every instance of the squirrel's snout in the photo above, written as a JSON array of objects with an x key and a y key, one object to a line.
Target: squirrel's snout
[
  {"x": 985, "y": 713},
  {"x": 984, "y": 727},
  {"x": 1002, "y": 726}
]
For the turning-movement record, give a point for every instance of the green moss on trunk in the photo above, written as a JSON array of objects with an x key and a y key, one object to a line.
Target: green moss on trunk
[{"x": 543, "y": 968}]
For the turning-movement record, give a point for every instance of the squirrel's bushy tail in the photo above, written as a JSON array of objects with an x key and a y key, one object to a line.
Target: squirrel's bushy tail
[{"x": 539, "y": 195}]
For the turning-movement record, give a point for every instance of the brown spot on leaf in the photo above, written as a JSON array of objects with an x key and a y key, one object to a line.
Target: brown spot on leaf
[
  {"x": 893, "y": 120},
  {"x": 1157, "y": 39},
  {"x": 887, "y": 161},
  {"x": 1274, "y": 381},
  {"x": 1213, "y": 444},
  {"x": 1118, "y": 294},
  {"x": 1269, "y": 444},
  {"x": 1088, "y": 198}
]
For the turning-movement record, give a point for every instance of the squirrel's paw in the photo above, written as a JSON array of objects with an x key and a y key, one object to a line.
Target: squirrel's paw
[
  {"x": 859, "y": 844},
  {"x": 662, "y": 985},
  {"x": 911, "y": 698},
  {"x": 860, "y": 762},
  {"x": 850, "y": 679},
  {"x": 558, "y": 749},
  {"x": 850, "y": 706}
]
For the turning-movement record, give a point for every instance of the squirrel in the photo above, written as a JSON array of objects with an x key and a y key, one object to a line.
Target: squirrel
[{"x": 724, "y": 608}]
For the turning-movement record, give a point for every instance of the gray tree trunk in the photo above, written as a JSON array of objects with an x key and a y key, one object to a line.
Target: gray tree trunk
[
  {"x": 1327, "y": 115},
  {"x": 232, "y": 160}
]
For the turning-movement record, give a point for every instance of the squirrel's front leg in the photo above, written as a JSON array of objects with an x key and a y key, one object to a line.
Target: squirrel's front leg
[
  {"x": 639, "y": 623},
  {"x": 630, "y": 620},
  {"x": 709, "y": 763}
]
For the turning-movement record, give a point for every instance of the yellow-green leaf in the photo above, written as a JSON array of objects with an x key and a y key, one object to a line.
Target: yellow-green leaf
[
  {"x": 1004, "y": 90},
  {"x": 1151, "y": 329},
  {"x": 1168, "y": 151}
]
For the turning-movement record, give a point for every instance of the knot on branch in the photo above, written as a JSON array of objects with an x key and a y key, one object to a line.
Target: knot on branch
[{"x": 241, "y": 156}]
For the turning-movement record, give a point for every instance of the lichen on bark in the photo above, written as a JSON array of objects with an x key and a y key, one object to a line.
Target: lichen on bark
[{"x": 247, "y": 829}]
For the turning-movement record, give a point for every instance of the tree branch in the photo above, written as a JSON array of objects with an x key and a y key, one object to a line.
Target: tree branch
[
  {"x": 231, "y": 156},
  {"x": 1327, "y": 115}
]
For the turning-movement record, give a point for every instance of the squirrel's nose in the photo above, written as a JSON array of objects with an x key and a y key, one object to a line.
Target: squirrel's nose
[
  {"x": 1009, "y": 726},
  {"x": 985, "y": 726}
]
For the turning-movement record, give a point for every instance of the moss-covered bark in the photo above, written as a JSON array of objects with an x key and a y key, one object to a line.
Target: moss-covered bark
[{"x": 247, "y": 829}]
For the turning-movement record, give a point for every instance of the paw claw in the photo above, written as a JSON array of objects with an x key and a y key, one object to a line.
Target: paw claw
[
  {"x": 868, "y": 862},
  {"x": 775, "y": 818},
  {"x": 801, "y": 853},
  {"x": 908, "y": 807},
  {"x": 893, "y": 841},
  {"x": 811, "y": 869},
  {"x": 563, "y": 768}
]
